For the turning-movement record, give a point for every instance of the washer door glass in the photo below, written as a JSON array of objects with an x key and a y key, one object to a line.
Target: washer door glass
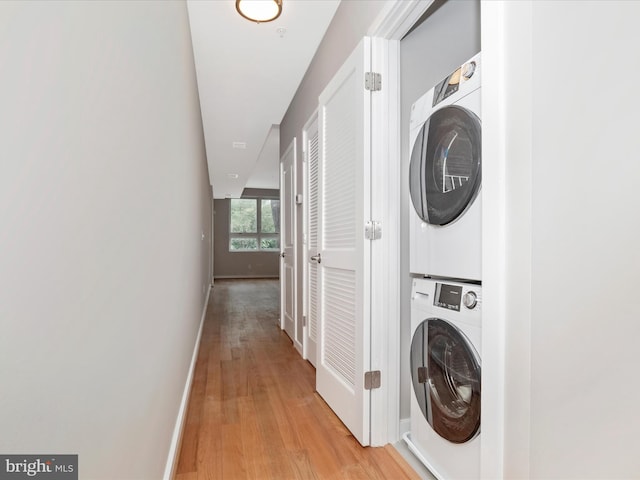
[
  {"x": 446, "y": 374},
  {"x": 445, "y": 169}
]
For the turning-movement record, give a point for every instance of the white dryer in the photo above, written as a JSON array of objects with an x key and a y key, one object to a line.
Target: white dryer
[
  {"x": 446, "y": 377},
  {"x": 445, "y": 177}
]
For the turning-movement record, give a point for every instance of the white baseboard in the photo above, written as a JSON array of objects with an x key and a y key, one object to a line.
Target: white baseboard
[
  {"x": 414, "y": 458},
  {"x": 405, "y": 425},
  {"x": 240, "y": 277},
  {"x": 176, "y": 439}
]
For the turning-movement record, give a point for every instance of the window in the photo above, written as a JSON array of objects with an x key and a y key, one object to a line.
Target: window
[{"x": 254, "y": 225}]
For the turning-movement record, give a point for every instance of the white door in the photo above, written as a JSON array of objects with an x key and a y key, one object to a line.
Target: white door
[
  {"x": 287, "y": 241},
  {"x": 344, "y": 206},
  {"x": 311, "y": 150}
]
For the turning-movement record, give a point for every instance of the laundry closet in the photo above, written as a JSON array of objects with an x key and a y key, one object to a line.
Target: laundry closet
[
  {"x": 560, "y": 236},
  {"x": 441, "y": 74}
]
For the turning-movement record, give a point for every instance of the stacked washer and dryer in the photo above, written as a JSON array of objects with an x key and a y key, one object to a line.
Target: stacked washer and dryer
[{"x": 446, "y": 259}]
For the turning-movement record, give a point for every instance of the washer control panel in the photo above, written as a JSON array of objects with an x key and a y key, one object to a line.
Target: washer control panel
[
  {"x": 453, "y": 297},
  {"x": 448, "y": 296}
]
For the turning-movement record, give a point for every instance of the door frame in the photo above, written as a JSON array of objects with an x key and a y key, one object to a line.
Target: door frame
[{"x": 394, "y": 22}]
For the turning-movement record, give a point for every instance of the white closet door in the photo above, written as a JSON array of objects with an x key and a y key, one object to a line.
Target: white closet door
[
  {"x": 287, "y": 243},
  {"x": 344, "y": 280},
  {"x": 312, "y": 157}
]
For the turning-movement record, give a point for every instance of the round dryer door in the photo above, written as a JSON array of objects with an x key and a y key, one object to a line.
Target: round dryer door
[
  {"x": 445, "y": 371},
  {"x": 445, "y": 170}
]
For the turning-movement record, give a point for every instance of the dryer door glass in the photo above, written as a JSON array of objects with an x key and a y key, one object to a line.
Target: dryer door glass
[
  {"x": 446, "y": 377},
  {"x": 417, "y": 176},
  {"x": 450, "y": 164}
]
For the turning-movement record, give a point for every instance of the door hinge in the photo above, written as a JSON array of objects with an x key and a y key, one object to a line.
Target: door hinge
[
  {"x": 373, "y": 230},
  {"x": 304, "y": 320},
  {"x": 372, "y": 380},
  {"x": 372, "y": 81}
]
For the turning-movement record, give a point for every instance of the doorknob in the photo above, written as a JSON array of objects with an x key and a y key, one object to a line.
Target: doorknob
[
  {"x": 282, "y": 254},
  {"x": 316, "y": 258}
]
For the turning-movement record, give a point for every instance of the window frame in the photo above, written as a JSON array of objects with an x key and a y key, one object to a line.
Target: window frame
[{"x": 258, "y": 235}]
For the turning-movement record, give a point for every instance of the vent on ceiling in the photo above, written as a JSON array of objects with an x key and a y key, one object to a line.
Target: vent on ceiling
[{"x": 239, "y": 145}]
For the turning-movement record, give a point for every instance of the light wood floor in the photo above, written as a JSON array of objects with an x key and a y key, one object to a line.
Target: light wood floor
[{"x": 253, "y": 411}]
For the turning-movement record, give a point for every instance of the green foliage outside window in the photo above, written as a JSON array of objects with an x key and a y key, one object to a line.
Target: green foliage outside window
[
  {"x": 244, "y": 244},
  {"x": 270, "y": 216},
  {"x": 244, "y": 215},
  {"x": 270, "y": 244},
  {"x": 254, "y": 224}
]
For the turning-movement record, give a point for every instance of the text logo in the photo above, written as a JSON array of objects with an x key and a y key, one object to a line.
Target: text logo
[{"x": 45, "y": 467}]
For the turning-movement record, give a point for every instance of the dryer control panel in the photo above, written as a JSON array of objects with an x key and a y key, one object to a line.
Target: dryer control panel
[{"x": 452, "y": 83}]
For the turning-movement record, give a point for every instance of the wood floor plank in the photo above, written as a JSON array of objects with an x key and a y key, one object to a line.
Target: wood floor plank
[
  {"x": 253, "y": 445},
  {"x": 398, "y": 468},
  {"x": 233, "y": 459},
  {"x": 302, "y": 465},
  {"x": 187, "y": 476},
  {"x": 253, "y": 411}
]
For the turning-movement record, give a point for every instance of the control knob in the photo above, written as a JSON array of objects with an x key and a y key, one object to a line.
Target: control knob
[
  {"x": 470, "y": 300},
  {"x": 468, "y": 70}
]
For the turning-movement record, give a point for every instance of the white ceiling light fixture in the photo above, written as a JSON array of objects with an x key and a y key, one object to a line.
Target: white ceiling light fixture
[{"x": 259, "y": 11}]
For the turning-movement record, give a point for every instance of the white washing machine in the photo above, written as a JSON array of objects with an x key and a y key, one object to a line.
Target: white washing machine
[
  {"x": 445, "y": 177},
  {"x": 446, "y": 327}
]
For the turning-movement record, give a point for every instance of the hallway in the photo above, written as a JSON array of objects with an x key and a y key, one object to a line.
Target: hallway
[{"x": 253, "y": 411}]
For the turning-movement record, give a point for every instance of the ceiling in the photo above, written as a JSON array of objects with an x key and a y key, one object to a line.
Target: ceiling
[{"x": 247, "y": 76}]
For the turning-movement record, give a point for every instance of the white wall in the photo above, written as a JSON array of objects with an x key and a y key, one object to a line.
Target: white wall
[
  {"x": 570, "y": 164},
  {"x": 104, "y": 196},
  {"x": 586, "y": 233}
]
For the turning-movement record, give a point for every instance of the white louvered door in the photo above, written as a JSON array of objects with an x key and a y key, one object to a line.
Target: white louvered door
[
  {"x": 344, "y": 273},
  {"x": 312, "y": 156}
]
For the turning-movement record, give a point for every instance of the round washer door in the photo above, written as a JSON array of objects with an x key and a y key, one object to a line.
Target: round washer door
[
  {"x": 445, "y": 170},
  {"x": 446, "y": 373}
]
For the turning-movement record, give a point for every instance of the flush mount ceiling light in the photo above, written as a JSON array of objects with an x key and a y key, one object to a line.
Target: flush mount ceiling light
[{"x": 259, "y": 11}]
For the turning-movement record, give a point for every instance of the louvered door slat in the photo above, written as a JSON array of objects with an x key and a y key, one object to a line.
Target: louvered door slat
[
  {"x": 339, "y": 169},
  {"x": 339, "y": 314},
  {"x": 312, "y": 228},
  {"x": 313, "y": 232}
]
